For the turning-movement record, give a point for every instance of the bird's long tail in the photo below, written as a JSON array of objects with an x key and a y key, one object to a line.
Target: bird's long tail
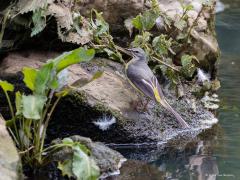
[
  {"x": 165, "y": 104},
  {"x": 159, "y": 97}
]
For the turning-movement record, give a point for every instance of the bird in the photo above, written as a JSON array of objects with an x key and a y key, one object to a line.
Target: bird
[{"x": 141, "y": 77}]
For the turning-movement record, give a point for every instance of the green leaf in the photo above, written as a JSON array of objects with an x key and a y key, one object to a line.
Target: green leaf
[
  {"x": 181, "y": 24},
  {"x": 67, "y": 141},
  {"x": 141, "y": 40},
  {"x": 18, "y": 103},
  {"x": 73, "y": 57},
  {"x": 146, "y": 21},
  {"x": 161, "y": 44},
  {"x": 188, "y": 67},
  {"x": 136, "y": 22},
  {"x": 83, "y": 166},
  {"x": 6, "y": 86},
  {"x": 33, "y": 106},
  {"x": 39, "y": 21},
  {"x": 43, "y": 76},
  {"x": 66, "y": 168},
  {"x": 100, "y": 26},
  {"x": 29, "y": 77}
]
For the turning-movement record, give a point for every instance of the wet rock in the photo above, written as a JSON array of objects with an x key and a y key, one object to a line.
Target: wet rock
[
  {"x": 109, "y": 161},
  {"x": 133, "y": 170},
  {"x": 10, "y": 164},
  {"x": 109, "y": 100}
]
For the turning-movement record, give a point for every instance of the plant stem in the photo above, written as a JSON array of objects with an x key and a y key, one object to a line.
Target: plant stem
[
  {"x": 164, "y": 63},
  {"x": 10, "y": 104},
  {"x": 46, "y": 125},
  {"x": 194, "y": 23},
  {"x": 3, "y": 26}
]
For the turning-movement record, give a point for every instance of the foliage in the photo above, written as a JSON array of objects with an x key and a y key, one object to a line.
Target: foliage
[
  {"x": 29, "y": 122},
  {"x": 81, "y": 165},
  {"x": 146, "y": 21},
  {"x": 188, "y": 67},
  {"x": 39, "y": 21}
]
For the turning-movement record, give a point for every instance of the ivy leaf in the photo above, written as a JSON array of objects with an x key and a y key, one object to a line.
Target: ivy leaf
[
  {"x": 146, "y": 21},
  {"x": 161, "y": 44},
  {"x": 39, "y": 21},
  {"x": 29, "y": 77},
  {"x": 136, "y": 22},
  {"x": 100, "y": 26},
  {"x": 181, "y": 24},
  {"x": 33, "y": 106},
  {"x": 83, "y": 166},
  {"x": 141, "y": 40},
  {"x": 73, "y": 57},
  {"x": 66, "y": 168},
  {"x": 188, "y": 67},
  {"x": 6, "y": 86}
]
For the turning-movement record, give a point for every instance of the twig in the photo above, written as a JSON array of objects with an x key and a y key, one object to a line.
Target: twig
[
  {"x": 27, "y": 150},
  {"x": 3, "y": 26},
  {"x": 195, "y": 22},
  {"x": 164, "y": 63}
]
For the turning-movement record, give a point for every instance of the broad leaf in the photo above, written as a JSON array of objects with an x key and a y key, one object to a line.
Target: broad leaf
[
  {"x": 6, "y": 86},
  {"x": 43, "y": 77},
  {"x": 29, "y": 77},
  {"x": 83, "y": 166},
  {"x": 33, "y": 106},
  {"x": 73, "y": 57}
]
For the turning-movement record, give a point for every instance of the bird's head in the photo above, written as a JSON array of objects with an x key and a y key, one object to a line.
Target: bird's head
[{"x": 138, "y": 53}]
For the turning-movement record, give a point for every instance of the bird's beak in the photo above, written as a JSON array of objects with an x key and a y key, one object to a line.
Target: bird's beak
[{"x": 128, "y": 49}]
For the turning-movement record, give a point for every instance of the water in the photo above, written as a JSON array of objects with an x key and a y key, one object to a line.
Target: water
[{"x": 214, "y": 156}]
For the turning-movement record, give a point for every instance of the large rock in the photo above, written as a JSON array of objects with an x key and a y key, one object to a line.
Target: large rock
[
  {"x": 103, "y": 111},
  {"x": 10, "y": 164},
  {"x": 109, "y": 161}
]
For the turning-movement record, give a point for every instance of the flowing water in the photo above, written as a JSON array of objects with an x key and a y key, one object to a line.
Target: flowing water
[{"x": 214, "y": 156}]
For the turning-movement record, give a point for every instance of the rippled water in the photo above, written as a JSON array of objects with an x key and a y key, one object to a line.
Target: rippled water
[{"x": 214, "y": 156}]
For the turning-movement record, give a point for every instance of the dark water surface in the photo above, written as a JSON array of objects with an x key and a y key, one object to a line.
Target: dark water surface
[{"x": 215, "y": 156}]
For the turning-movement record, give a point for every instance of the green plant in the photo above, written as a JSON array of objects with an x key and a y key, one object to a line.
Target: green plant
[{"x": 32, "y": 114}]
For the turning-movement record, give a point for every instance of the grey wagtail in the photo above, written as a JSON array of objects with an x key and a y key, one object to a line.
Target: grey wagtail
[{"x": 142, "y": 78}]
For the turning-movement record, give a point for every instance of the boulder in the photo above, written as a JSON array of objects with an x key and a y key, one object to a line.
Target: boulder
[
  {"x": 109, "y": 161},
  {"x": 10, "y": 164},
  {"x": 103, "y": 109}
]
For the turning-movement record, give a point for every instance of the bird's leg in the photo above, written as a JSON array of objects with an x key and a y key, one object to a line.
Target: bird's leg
[
  {"x": 140, "y": 106},
  {"x": 145, "y": 105}
]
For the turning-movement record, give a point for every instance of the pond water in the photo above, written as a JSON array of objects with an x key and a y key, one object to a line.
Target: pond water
[{"x": 215, "y": 156}]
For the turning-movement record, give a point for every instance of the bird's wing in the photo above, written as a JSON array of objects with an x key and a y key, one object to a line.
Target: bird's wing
[{"x": 148, "y": 85}]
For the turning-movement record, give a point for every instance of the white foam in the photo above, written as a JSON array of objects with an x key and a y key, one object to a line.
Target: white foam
[
  {"x": 220, "y": 7},
  {"x": 202, "y": 76},
  {"x": 105, "y": 122}
]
